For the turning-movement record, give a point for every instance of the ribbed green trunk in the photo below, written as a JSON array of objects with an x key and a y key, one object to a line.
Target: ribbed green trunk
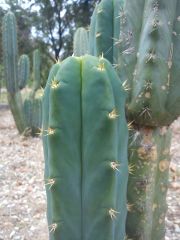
[
  {"x": 85, "y": 140},
  {"x": 81, "y": 42},
  {"x": 10, "y": 59},
  {"x": 149, "y": 159}
]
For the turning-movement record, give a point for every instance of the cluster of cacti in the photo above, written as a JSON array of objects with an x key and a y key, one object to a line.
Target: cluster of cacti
[
  {"x": 17, "y": 76},
  {"x": 147, "y": 59},
  {"x": 85, "y": 139}
]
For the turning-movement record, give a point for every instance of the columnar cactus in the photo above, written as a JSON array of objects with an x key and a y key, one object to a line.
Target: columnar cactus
[
  {"x": 23, "y": 70},
  {"x": 33, "y": 103},
  {"x": 33, "y": 115},
  {"x": 157, "y": 68},
  {"x": 16, "y": 77},
  {"x": 105, "y": 29},
  {"x": 10, "y": 57},
  {"x": 85, "y": 144},
  {"x": 36, "y": 72},
  {"x": 81, "y": 42},
  {"x": 148, "y": 182},
  {"x": 147, "y": 61}
]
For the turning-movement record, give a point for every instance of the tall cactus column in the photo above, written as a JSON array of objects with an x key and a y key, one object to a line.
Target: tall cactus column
[
  {"x": 152, "y": 75},
  {"x": 85, "y": 142},
  {"x": 148, "y": 64},
  {"x": 10, "y": 57}
]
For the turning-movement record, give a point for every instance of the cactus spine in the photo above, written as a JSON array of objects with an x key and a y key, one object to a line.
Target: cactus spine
[
  {"x": 148, "y": 63},
  {"x": 10, "y": 56},
  {"x": 85, "y": 139},
  {"x": 81, "y": 42}
]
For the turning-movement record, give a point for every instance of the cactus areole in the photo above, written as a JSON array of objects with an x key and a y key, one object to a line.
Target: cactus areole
[{"x": 85, "y": 145}]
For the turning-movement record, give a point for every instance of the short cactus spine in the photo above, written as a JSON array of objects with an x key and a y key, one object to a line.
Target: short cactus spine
[{"x": 92, "y": 166}]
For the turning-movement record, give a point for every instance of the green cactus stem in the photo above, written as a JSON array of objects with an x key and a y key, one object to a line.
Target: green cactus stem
[
  {"x": 149, "y": 159},
  {"x": 45, "y": 124},
  {"x": 23, "y": 71},
  {"x": 105, "y": 29},
  {"x": 81, "y": 42},
  {"x": 10, "y": 57},
  {"x": 36, "y": 73},
  {"x": 152, "y": 70},
  {"x": 85, "y": 134},
  {"x": 33, "y": 115},
  {"x": 148, "y": 64}
]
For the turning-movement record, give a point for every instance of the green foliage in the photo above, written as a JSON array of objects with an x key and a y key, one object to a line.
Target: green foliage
[
  {"x": 85, "y": 144},
  {"x": 23, "y": 71}
]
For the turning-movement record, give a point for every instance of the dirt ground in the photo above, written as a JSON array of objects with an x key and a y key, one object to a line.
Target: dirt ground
[{"x": 22, "y": 194}]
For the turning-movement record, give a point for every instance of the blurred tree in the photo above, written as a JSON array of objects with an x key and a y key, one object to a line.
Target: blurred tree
[
  {"x": 83, "y": 10},
  {"x": 49, "y": 25},
  {"x": 56, "y": 20}
]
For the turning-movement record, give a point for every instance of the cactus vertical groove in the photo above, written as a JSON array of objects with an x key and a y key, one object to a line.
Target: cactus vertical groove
[{"x": 86, "y": 159}]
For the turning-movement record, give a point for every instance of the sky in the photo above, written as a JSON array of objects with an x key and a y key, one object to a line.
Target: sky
[{"x": 24, "y": 3}]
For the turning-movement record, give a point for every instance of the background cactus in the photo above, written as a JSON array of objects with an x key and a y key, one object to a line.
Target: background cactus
[
  {"x": 147, "y": 60},
  {"x": 105, "y": 30},
  {"x": 23, "y": 71},
  {"x": 33, "y": 102},
  {"x": 10, "y": 57},
  {"x": 36, "y": 72},
  {"x": 81, "y": 42},
  {"x": 84, "y": 121},
  {"x": 27, "y": 114}
]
